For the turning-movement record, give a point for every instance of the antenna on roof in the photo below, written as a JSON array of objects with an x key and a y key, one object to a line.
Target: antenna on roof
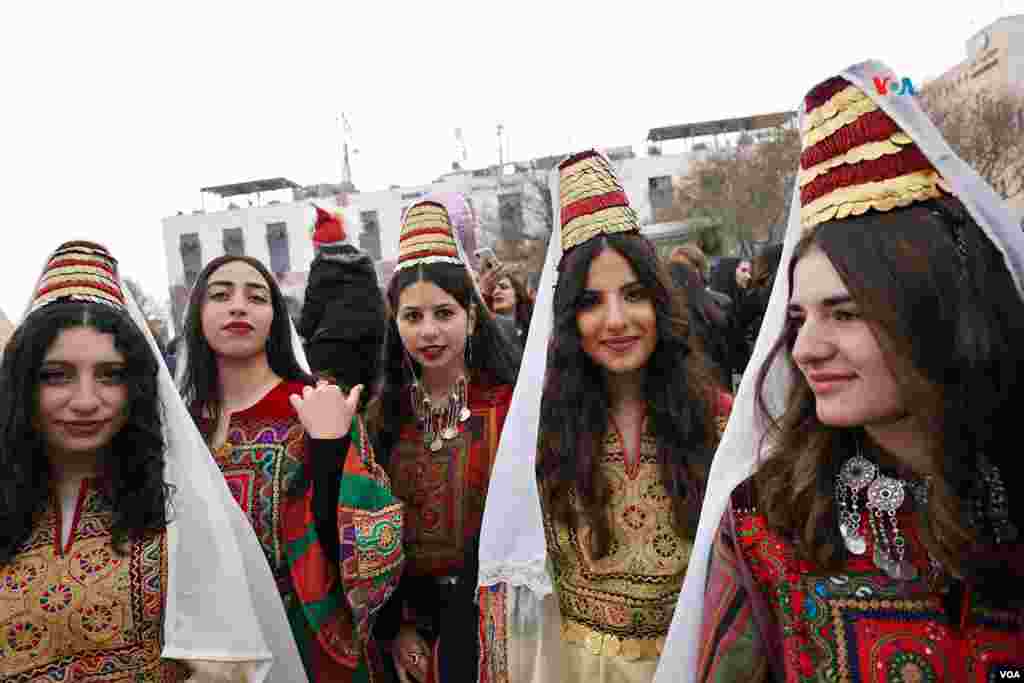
[{"x": 346, "y": 137}]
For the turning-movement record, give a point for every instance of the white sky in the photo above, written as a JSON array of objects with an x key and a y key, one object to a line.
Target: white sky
[{"x": 114, "y": 114}]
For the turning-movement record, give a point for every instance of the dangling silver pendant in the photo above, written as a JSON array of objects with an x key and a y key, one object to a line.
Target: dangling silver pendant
[
  {"x": 854, "y": 542},
  {"x": 858, "y": 472},
  {"x": 886, "y": 494}
]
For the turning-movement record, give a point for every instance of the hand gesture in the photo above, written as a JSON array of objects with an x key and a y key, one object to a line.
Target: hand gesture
[
  {"x": 489, "y": 278},
  {"x": 411, "y": 655},
  {"x": 325, "y": 411}
]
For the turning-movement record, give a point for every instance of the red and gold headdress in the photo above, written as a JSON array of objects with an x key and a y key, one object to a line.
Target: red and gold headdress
[
  {"x": 427, "y": 237},
  {"x": 855, "y": 157},
  {"x": 592, "y": 200},
  {"x": 81, "y": 271}
]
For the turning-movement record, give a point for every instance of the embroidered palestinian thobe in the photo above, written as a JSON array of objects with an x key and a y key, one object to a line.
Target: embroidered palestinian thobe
[
  {"x": 444, "y": 492},
  {"x": 267, "y": 462},
  {"x": 615, "y": 610},
  {"x": 771, "y": 616},
  {"x": 82, "y": 611}
]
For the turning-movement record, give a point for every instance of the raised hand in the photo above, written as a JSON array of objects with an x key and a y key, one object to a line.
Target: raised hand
[
  {"x": 325, "y": 411},
  {"x": 489, "y": 278}
]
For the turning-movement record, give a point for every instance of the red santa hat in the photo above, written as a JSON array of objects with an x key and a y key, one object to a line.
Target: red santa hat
[{"x": 329, "y": 229}]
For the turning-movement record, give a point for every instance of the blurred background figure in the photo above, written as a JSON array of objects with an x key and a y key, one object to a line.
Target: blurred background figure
[
  {"x": 731, "y": 277},
  {"x": 762, "y": 278},
  {"x": 511, "y": 301},
  {"x": 709, "y": 322},
  {"x": 342, "y": 319},
  {"x": 6, "y": 329}
]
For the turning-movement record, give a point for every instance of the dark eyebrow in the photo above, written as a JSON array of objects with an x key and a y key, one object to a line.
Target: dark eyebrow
[
  {"x": 57, "y": 362},
  {"x": 226, "y": 283},
  {"x": 629, "y": 285},
  {"x": 828, "y": 302},
  {"x": 837, "y": 300}
]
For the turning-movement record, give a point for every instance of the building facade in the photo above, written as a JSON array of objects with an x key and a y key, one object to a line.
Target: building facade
[
  {"x": 994, "y": 60},
  {"x": 994, "y": 63},
  {"x": 275, "y": 224}
]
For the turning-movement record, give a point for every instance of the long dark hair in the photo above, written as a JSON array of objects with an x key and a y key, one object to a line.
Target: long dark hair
[
  {"x": 131, "y": 470},
  {"x": 574, "y": 416},
  {"x": 493, "y": 359},
  {"x": 523, "y": 311},
  {"x": 947, "y": 316},
  {"x": 201, "y": 382}
]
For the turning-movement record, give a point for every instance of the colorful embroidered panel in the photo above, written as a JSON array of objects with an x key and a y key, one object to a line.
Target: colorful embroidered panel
[
  {"x": 860, "y": 625},
  {"x": 631, "y": 592},
  {"x": 493, "y": 665},
  {"x": 370, "y": 521},
  {"x": 330, "y": 607},
  {"x": 445, "y": 491},
  {"x": 87, "y": 614},
  {"x": 261, "y": 458}
]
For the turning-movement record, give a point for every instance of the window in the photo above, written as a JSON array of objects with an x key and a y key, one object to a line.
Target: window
[
  {"x": 234, "y": 242},
  {"x": 191, "y": 256},
  {"x": 510, "y": 215},
  {"x": 277, "y": 243},
  {"x": 659, "y": 189},
  {"x": 369, "y": 239}
]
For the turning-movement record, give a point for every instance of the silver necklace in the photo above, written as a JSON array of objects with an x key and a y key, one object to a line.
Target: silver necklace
[
  {"x": 884, "y": 496},
  {"x": 439, "y": 423}
]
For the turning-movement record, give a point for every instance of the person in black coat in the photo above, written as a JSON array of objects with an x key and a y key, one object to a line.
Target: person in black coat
[
  {"x": 343, "y": 317},
  {"x": 731, "y": 276},
  {"x": 709, "y": 322}
]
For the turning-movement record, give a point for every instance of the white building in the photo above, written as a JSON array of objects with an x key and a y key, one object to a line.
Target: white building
[
  {"x": 509, "y": 201},
  {"x": 275, "y": 225}
]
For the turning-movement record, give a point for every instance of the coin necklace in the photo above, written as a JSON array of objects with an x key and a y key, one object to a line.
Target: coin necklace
[
  {"x": 439, "y": 423},
  {"x": 884, "y": 496}
]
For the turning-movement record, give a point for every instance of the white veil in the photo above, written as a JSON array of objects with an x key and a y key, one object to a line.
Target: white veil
[
  {"x": 513, "y": 551},
  {"x": 736, "y": 457},
  {"x": 222, "y": 601}
]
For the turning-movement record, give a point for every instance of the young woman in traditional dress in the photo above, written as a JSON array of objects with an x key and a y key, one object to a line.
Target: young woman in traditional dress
[
  {"x": 879, "y": 538},
  {"x": 629, "y": 419},
  {"x": 448, "y": 375},
  {"x": 118, "y": 557},
  {"x": 297, "y": 459}
]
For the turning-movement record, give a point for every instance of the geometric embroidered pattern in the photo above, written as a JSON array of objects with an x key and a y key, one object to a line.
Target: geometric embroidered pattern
[
  {"x": 87, "y": 615},
  {"x": 631, "y": 592},
  {"x": 860, "y": 625}
]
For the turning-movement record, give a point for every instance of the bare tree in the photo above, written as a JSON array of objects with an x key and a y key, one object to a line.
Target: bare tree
[
  {"x": 742, "y": 189},
  {"x": 985, "y": 129},
  {"x": 153, "y": 311}
]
